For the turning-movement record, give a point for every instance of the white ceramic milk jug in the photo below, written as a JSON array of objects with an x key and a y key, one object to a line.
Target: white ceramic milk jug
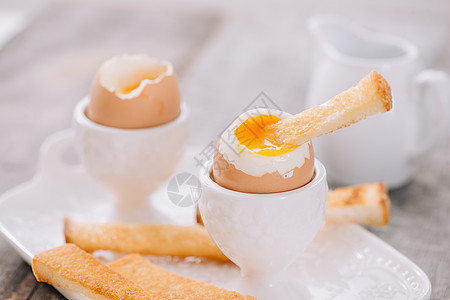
[{"x": 384, "y": 147}]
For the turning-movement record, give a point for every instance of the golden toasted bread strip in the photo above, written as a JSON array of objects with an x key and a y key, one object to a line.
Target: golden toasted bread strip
[
  {"x": 165, "y": 284},
  {"x": 167, "y": 240},
  {"x": 71, "y": 268},
  {"x": 366, "y": 204},
  {"x": 372, "y": 95}
]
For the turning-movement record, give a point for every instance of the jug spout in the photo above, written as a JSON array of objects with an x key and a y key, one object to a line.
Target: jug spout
[{"x": 342, "y": 39}]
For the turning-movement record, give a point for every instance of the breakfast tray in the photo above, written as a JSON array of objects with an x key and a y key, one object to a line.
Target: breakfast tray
[{"x": 343, "y": 262}]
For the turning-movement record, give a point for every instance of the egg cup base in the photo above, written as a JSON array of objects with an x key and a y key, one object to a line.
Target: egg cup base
[
  {"x": 131, "y": 163},
  {"x": 273, "y": 286},
  {"x": 264, "y": 234}
]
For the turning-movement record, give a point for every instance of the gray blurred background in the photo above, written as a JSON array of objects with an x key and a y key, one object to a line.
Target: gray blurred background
[{"x": 225, "y": 54}]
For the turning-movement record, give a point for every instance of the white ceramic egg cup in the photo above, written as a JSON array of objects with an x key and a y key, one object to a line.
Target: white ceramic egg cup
[
  {"x": 265, "y": 233},
  {"x": 131, "y": 163}
]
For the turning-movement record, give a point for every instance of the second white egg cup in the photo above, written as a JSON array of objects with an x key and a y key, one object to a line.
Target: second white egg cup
[
  {"x": 132, "y": 163},
  {"x": 265, "y": 233}
]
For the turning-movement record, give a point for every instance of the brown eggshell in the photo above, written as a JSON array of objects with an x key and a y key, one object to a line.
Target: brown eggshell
[
  {"x": 227, "y": 176},
  {"x": 158, "y": 103}
]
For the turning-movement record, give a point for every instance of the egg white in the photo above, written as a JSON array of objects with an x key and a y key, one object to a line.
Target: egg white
[
  {"x": 127, "y": 70},
  {"x": 255, "y": 164}
]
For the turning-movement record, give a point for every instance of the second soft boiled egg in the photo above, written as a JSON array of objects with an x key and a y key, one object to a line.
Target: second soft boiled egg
[
  {"x": 134, "y": 91},
  {"x": 246, "y": 162}
]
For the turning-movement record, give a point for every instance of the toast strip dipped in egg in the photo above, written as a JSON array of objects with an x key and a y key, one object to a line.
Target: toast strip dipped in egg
[{"x": 371, "y": 96}]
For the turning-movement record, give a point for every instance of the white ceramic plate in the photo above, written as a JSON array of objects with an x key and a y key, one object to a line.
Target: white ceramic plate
[{"x": 343, "y": 262}]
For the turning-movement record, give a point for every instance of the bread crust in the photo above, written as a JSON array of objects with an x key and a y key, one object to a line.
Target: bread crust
[
  {"x": 71, "y": 268},
  {"x": 366, "y": 204},
  {"x": 152, "y": 239},
  {"x": 166, "y": 285},
  {"x": 131, "y": 277},
  {"x": 371, "y": 96}
]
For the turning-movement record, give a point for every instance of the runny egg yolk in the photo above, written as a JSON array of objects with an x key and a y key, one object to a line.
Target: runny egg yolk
[
  {"x": 252, "y": 134},
  {"x": 150, "y": 75},
  {"x": 130, "y": 88}
]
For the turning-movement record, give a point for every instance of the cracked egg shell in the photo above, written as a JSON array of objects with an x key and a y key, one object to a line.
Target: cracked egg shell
[
  {"x": 134, "y": 91},
  {"x": 245, "y": 161},
  {"x": 226, "y": 175}
]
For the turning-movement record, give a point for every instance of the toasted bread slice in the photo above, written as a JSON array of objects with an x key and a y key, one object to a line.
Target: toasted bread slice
[
  {"x": 165, "y": 284},
  {"x": 366, "y": 204},
  {"x": 167, "y": 240},
  {"x": 71, "y": 268},
  {"x": 372, "y": 95}
]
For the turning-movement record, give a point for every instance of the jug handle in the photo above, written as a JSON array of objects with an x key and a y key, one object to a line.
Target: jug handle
[
  {"x": 52, "y": 162},
  {"x": 436, "y": 82}
]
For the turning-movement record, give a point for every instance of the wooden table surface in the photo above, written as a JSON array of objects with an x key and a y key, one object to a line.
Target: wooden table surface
[{"x": 225, "y": 55}]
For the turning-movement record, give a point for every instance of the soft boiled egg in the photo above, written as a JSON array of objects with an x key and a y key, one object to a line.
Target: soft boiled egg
[
  {"x": 245, "y": 161},
  {"x": 134, "y": 91}
]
